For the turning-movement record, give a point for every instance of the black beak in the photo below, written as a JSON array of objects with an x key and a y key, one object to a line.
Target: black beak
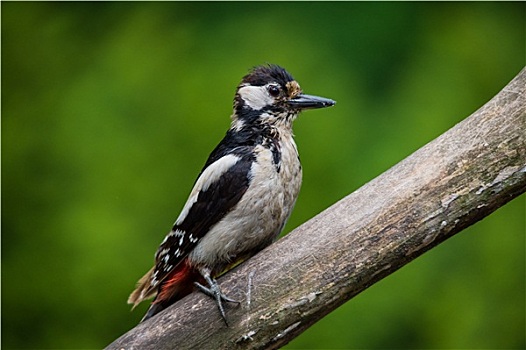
[{"x": 307, "y": 101}]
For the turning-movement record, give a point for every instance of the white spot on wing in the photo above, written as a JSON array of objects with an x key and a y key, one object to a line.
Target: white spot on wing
[
  {"x": 154, "y": 280},
  {"x": 210, "y": 175},
  {"x": 237, "y": 124},
  {"x": 176, "y": 233}
]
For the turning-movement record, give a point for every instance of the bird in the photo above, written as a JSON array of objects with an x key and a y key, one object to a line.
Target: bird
[{"x": 242, "y": 197}]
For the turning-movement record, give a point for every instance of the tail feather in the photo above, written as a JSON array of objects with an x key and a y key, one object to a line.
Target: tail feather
[
  {"x": 143, "y": 290},
  {"x": 178, "y": 283},
  {"x": 154, "y": 309}
]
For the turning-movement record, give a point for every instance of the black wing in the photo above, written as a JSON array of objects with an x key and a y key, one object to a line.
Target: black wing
[{"x": 219, "y": 187}]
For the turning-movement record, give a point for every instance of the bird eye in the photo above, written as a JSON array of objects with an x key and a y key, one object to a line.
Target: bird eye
[{"x": 273, "y": 90}]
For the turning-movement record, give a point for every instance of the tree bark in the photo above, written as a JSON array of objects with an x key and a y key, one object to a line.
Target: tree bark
[{"x": 447, "y": 185}]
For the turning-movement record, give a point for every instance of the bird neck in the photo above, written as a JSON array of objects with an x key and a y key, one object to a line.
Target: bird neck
[
  {"x": 263, "y": 121},
  {"x": 260, "y": 129}
]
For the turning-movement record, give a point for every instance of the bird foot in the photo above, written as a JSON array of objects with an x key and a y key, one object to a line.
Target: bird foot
[{"x": 214, "y": 292}]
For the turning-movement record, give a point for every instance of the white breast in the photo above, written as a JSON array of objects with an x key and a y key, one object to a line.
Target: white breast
[{"x": 261, "y": 213}]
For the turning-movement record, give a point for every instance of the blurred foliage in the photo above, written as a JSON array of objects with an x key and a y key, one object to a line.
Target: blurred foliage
[{"x": 109, "y": 111}]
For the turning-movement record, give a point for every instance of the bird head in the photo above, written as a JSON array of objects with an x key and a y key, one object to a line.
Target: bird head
[{"x": 270, "y": 95}]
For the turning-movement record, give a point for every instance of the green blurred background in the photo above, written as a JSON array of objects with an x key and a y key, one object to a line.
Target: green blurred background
[{"x": 109, "y": 110}]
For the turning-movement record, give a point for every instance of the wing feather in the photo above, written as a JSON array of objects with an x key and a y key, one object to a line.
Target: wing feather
[{"x": 220, "y": 186}]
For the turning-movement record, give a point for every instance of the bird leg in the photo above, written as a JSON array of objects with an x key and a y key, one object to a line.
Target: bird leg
[{"x": 214, "y": 291}]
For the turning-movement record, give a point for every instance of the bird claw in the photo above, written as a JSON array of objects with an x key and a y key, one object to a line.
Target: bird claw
[{"x": 214, "y": 291}]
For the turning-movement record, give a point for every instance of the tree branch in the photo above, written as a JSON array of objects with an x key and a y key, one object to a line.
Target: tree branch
[{"x": 447, "y": 185}]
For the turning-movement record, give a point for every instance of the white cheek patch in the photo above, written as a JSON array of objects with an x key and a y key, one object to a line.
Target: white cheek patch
[
  {"x": 256, "y": 97},
  {"x": 211, "y": 174}
]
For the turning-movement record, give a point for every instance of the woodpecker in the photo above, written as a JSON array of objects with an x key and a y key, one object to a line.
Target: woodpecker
[{"x": 241, "y": 199}]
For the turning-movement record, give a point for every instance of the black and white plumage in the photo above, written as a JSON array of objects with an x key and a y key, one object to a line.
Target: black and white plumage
[{"x": 241, "y": 199}]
